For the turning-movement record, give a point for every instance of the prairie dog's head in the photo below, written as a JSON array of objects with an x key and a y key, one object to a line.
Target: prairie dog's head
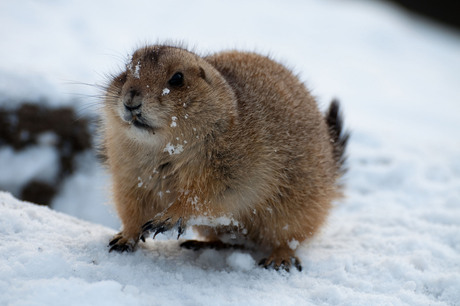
[{"x": 168, "y": 91}]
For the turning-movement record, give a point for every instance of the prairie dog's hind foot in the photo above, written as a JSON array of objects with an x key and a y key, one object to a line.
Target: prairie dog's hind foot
[{"x": 281, "y": 258}]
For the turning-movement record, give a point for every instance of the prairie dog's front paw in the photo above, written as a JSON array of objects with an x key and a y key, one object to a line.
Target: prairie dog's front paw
[
  {"x": 160, "y": 224},
  {"x": 122, "y": 244}
]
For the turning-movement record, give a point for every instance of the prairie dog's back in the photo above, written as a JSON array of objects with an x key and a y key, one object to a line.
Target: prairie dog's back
[{"x": 277, "y": 112}]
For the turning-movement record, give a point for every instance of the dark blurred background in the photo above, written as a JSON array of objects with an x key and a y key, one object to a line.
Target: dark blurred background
[{"x": 446, "y": 12}]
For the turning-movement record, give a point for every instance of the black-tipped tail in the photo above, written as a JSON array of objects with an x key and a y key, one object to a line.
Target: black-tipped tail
[{"x": 339, "y": 137}]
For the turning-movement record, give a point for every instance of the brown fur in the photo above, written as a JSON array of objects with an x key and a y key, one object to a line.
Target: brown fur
[{"x": 241, "y": 143}]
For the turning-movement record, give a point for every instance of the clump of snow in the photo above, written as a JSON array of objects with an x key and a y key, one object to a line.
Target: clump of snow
[
  {"x": 137, "y": 69},
  {"x": 165, "y": 91},
  {"x": 293, "y": 244},
  {"x": 139, "y": 182},
  {"x": 241, "y": 261},
  {"x": 212, "y": 221},
  {"x": 193, "y": 200},
  {"x": 173, "y": 122},
  {"x": 173, "y": 149}
]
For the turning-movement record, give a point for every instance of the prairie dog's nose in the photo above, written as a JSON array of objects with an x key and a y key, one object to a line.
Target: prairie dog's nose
[
  {"x": 132, "y": 100},
  {"x": 132, "y": 108}
]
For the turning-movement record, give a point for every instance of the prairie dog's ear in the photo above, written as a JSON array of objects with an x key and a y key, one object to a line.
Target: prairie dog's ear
[{"x": 202, "y": 74}]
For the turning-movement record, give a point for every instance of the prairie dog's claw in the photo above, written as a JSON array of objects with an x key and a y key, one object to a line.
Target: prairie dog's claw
[{"x": 158, "y": 226}]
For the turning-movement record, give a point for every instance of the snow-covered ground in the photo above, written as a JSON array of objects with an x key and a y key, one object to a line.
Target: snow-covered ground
[{"x": 394, "y": 240}]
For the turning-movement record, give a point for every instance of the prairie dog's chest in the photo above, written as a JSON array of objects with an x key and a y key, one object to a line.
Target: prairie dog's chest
[{"x": 155, "y": 184}]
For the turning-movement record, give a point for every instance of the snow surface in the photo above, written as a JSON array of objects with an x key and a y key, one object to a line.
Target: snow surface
[
  {"x": 394, "y": 240},
  {"x": 49, "y": 258}
]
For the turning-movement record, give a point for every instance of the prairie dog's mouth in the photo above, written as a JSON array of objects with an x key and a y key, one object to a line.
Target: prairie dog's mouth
[
  {"x": 136, "y": 119},
  {"x": 139, "y": 123}
]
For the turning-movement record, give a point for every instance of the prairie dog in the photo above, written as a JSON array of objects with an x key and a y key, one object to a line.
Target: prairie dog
[{"x": 232, "y": 143}]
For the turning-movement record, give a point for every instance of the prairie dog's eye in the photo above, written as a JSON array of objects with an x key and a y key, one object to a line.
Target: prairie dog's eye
[{"x": 177, "y": 79}]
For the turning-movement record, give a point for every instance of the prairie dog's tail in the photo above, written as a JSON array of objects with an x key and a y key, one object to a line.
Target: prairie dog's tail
[{"x": 339, "y": 137}]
